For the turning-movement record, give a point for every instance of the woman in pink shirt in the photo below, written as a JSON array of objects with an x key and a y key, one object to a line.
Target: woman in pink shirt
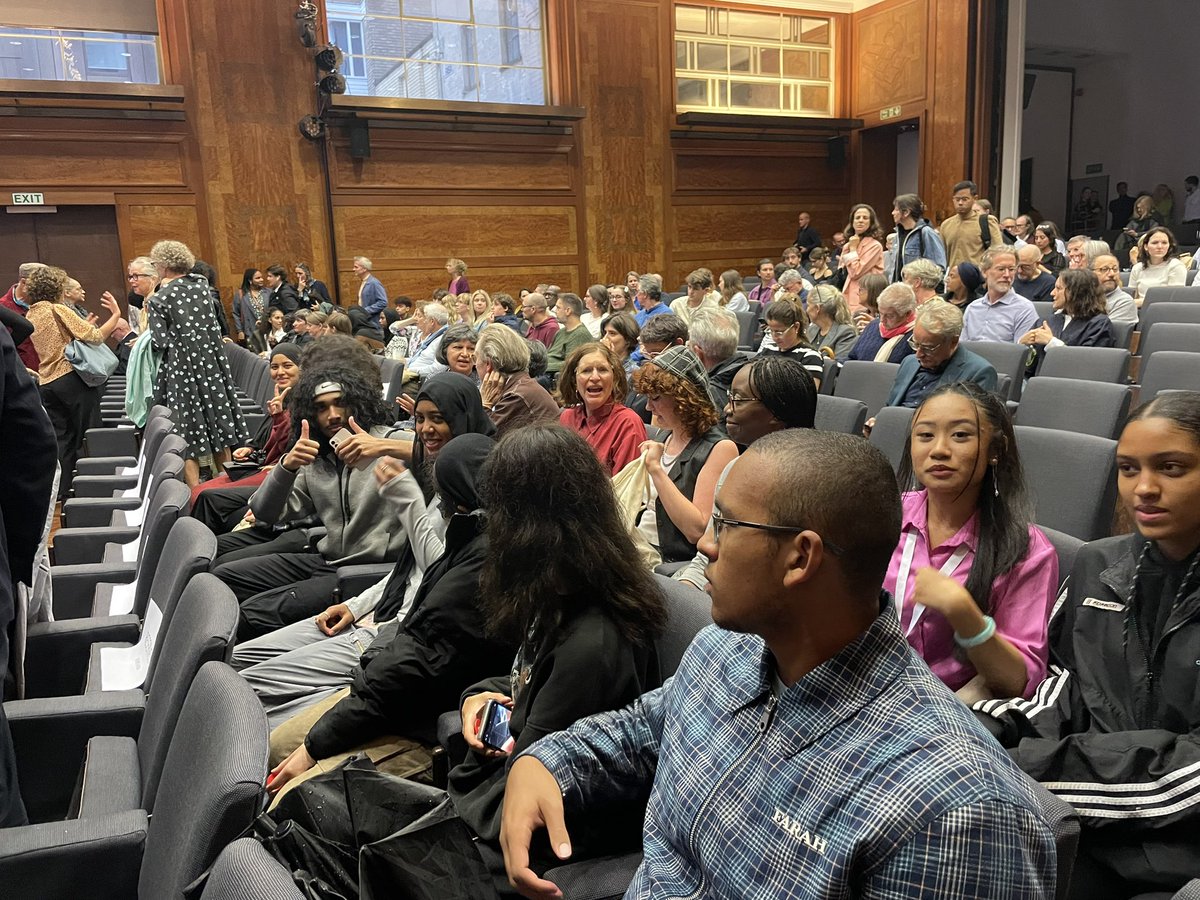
[
  {"x": 593, "y": 386},
  {"x": 863, "y": 253},
  {"x": 974, "y": 579}
]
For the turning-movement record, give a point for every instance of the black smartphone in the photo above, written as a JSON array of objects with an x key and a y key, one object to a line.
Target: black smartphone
[{"x": 494, "y": 732}]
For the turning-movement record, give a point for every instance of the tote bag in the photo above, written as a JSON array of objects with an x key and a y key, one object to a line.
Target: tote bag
[
  {"x": 632, "y": 487},
  {"x": 93, "y": 362}
]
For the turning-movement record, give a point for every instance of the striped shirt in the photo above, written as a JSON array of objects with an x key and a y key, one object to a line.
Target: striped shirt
[{"x": 865, "y": 778}]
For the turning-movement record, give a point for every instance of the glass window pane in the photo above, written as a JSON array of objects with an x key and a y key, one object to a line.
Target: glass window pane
[
  {"x": 814, "y": 31},
  {"x": 739, "y": 59},
  {"x": 814, "y": 97},
  {"x": 691, "y": 19},
  {"x": 768, "y": 61},
  {"x": 487, "y": 12},
  {"x": 53, "y": 54},
  {"x": 459, "y": 10},
  {"x": 712, "y": 58},
  {"x": 761, "y": 26},
  {"x": 751, "y": 95},
  {"x": 681, "y": 59},
  {"x": 691, "y": 92},
  {"x": 797, "y": 64},
  {"x": 822, "y": 63}
]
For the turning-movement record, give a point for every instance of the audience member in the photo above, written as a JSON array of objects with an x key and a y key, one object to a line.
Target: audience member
[
  {"x": 1164, "y": 202},
  {"x": 1144, "y": 218},
  {"x": 968, "y": 234},
  {"x": 249, "y": 301},
  {"x": 1079, "y": 318},
  {"x": 791, "y": 258},
  {"x": 543, "y": 326},
  {"x": 1022, "y": 230},
  {"x": 764, "y": 291},
  {"x": 1093, "y": 249},
  {"x": 1191, "y": 202},
  {"x": 621, "y": 335},
  {"x": 1119, "y": 306},
  {"x": 1033, "y": 282},
  {"x": 872, "y": 286},
  {"x": 299, "y": 334},
  {"x": 649, "y": 299},
  {"x": 14, "y": 299},
  {"x": 924, "y": 277},
  {"x": 481, "y": 309},
  {"x": 661, "y": 332},
  {"x": 457, "y": 270},
  {"x": 1047, "y": 239},
  {"x": 71, "y": 403},
  {"x": 915, "y": 237},
  {"x": 713, "y": 337},
  {"x": 279, "y": 588},
  {"x": 595, "y": 299},
  {"x": 1075, "y": 254},
  {"x": 510, "y": 397},
  {"x": 504, "y": 313},
  {"x": 821, "y": 273},
  {"x": 271, "y": 326},
  {"x": 973, "y": 577},
  {"x": 733, "y": 293},
  {"x": 456, "y": 349},
  {"x": 684, "y": 467},
  {"x": 567, "y": 308},
  {"x": 1158, "y": 263},
  {"x": 311, "y": 292},
  {"x": 338, "y": 323},
  {"x": 963, "y": 284},
  {"x": 1120, "y": 208},
  {"x": 886, "y": 339},
  {"x": 1002, "y": 314},
  {"x": 1088, "y": 214},
  {"x": 938, "y": 359},
  {"x": 807, "y": 237},
  {"x": 900, "y": 782},
  {"x": 431, "y": 322},
  {"x": 699, "y": 295},
  {"x": 787, "y": 326},
  {"x": 829, "y": 331},
  {"x": 593, "y": 385},
  {"x": 618, "y": 299},
  {"x": 372, "y": 298},
  {"x": 1111, "y": 731},
  {"x": 863, "y": 253},
  {"x": 283, "y": 295}
]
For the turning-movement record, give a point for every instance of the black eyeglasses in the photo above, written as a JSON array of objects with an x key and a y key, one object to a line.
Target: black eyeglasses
[
  {"x": 735, "y": 399},
  {"x": 719, "y": 522}
]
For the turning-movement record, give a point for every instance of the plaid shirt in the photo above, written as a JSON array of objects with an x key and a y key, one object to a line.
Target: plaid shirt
[{"x": 866, "y": 778}]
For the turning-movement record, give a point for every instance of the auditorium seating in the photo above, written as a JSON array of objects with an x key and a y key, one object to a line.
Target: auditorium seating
[
  {"x": 1170, "y": 370},
  {"x": 1006, "y": 359},
  {"x": 870, "y": 382},
  {"x": 890, "y": 433},
  {"x": 842, "y": 414},
  {"x": 1072, "y": 404},
  {"x": 1072, "y": 478},
  {"x": 246, "y": 870},
  {"x": 1109, "y": 364},
  {"x": 1170, "y": 294}
]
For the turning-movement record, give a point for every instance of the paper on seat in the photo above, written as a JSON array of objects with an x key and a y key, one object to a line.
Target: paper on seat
[
  {"x": 121, "y": 599},
  {"x": 129, "y": 552},
  {"x": 386, "y": 387},
  {"x": 125, "y": 668}
]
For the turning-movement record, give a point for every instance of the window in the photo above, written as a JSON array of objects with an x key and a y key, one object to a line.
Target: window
[
  {"x": 474, "y": 50},
  {"x": 53, "y": 54},
  {"x": 348, "y": 36},
  {"x": 740, "y": 61}
]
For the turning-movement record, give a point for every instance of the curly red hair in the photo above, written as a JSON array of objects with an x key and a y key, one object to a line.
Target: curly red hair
[{"x": 696, "y": 413}]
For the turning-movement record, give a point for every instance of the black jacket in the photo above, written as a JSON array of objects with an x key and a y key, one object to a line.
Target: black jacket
[
  {"x": 589, "y": 667},
  {"x": 285, "y": 297},
  {"x": 404, "y": 683},
  {"x": 1113, "y": 730},
  {"x": 1095, "y": 331}
]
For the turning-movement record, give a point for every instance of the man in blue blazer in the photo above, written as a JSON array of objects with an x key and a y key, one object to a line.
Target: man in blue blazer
[{"x": 938, "y": 358}]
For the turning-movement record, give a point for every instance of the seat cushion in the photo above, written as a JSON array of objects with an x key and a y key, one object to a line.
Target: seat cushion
[{"x": 112, "y": 778}]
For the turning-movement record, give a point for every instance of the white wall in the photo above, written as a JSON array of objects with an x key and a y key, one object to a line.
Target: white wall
[
  {"x": 1137, "y": 104},
  {"x": 1045, "y": 136}
]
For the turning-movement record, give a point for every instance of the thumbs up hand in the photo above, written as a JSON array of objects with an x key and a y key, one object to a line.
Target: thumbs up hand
[{"x": 303, "y": 452}]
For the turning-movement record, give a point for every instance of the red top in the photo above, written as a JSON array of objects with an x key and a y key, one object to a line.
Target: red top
[
  {"x": 614, "y": 431},
  {"x": 25, "y": 350},
  {"x": 544, "y": 332}
]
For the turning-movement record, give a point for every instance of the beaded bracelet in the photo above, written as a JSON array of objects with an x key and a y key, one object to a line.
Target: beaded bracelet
[{"x": 989, "y": 630}]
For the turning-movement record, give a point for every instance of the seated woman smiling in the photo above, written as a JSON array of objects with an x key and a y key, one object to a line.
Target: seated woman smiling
[{"x": 593, "y": 388}]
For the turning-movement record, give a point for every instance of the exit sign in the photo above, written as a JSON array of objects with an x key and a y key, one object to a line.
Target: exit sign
[
  {"x": 891, "y": 112},
  {"x": 29, "y": 200}
]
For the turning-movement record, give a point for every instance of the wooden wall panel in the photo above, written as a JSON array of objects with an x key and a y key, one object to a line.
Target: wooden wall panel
[
  {"x": 151, "y": 221},
  {"x": 623, "y": 76},
  {"x": 87, "y": 159},
  {"x": 452, "y": 166},
  {"x": 889, "y": 56},
  {"x": 944, "y": 140},
  {"x": 755, "y": 168}
]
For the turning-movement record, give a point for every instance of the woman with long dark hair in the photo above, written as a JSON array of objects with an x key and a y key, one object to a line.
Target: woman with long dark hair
[
  {"x": 863, "y": 253},
  {"x": 973, "y": 578},
  {"x": 249, "y": 304},
  {"x": 1046, "y": 238},
  {"x": 1158, "y": 263},
  {"x": 1079, "y": 318}
]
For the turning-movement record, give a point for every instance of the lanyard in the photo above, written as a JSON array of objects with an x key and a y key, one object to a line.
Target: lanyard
[{"x": 910, "y": 545}]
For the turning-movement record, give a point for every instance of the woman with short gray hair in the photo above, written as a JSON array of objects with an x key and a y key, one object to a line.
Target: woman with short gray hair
[
  {"x": 510, "y": 397},
  {"x": 194, "y": 378},
  {"x": 830, "y": 332},
  {"x": 885, "y": 339}
]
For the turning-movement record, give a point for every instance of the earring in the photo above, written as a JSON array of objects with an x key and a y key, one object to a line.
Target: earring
[{"x": 995, "y": 480}]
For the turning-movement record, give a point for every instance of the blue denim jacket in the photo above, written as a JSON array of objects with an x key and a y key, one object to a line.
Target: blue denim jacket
[{"x": 866, "y": 778}]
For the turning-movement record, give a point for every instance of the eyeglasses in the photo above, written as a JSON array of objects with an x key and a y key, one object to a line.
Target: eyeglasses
[
  {"x": 777, "y": 333},
  {"x": 1099, "y": 269},
  {"x": 136, "y": 275},
  {"x": 719, "y": 522},
  {"x": 925, "y": 348},
  {"x": 735, "y": 399}
]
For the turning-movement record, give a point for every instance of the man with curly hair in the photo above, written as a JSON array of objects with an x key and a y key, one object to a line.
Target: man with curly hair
[{"x": 281, "y": 585}]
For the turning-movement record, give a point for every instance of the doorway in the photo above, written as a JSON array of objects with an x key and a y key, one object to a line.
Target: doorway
[
  {"x": 889, "y": 164},
  {"x": 81, "y": 239}
]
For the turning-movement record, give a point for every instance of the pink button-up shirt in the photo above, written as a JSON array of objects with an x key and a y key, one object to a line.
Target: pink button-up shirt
[{"x": 1021, "y": 600}]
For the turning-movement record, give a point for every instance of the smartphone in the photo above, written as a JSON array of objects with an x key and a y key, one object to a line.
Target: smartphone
[
  {"x": 342, "y": 436},
  {"x": 494, "y": 731}
]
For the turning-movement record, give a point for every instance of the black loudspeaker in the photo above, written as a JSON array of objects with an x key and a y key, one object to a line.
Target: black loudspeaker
[
  {"x": 360, "y": 141},
  {"x": 835, "y": 152}
]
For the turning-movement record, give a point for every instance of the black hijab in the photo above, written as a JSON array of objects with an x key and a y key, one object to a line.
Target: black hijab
[
  {"x": 456, "y": 471},
  {"x": 457, "y": 398}
]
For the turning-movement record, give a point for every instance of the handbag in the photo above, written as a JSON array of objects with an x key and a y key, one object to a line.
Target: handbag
[
  {"x": 94, "y": 363},
  {"x": 632, "y": 487}
]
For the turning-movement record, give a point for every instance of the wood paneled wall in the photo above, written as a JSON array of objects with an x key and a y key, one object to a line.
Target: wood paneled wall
[{"x": 623, "y": 188}]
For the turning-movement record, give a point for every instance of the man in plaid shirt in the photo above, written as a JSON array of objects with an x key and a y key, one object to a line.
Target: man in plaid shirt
[{"x": 802, "y": 749}]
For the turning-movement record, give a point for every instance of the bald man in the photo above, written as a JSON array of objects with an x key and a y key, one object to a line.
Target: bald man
[{"x": 1032, "y": 281}]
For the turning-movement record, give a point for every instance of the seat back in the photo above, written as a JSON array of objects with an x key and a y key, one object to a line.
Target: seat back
[
  {"x": 190, "y": 549},
  {"x": 1182, "y": 336},
  {"x": 1045, "y": 309},
  {"x": 1006, "y": 359},
  {"x": 829, "y": 374},
  {"x": 1166, "y": 312},
  {"x": 1170, "y": 370},
  {"x": 152, "y": 437},
  {"x": 167, "y": 505},
  {"x": 1069, "y": 404},
  {"x": 1109, "y": 364},
  {"x": 1067, "y": 548},
  {"x": 213, "y": 784},
  {"x": 747, "y": 322},
  {"x": 870, "y": 382},
  {"x": 202, "y": 630},
  {"x": 688, "y": 611},
  {"x": 1123, "y": 333},
  {"x": 246, "y": 870},
  {"x": 843, "y": 414},
  {"x": 1072, "y": 478},
  {"x": 890, "y": 433},
  {"x": 1172, "y": 293}
]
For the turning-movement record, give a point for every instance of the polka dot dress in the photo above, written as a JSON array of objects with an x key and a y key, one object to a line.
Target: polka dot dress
[{"x": 194, "y": 379}]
